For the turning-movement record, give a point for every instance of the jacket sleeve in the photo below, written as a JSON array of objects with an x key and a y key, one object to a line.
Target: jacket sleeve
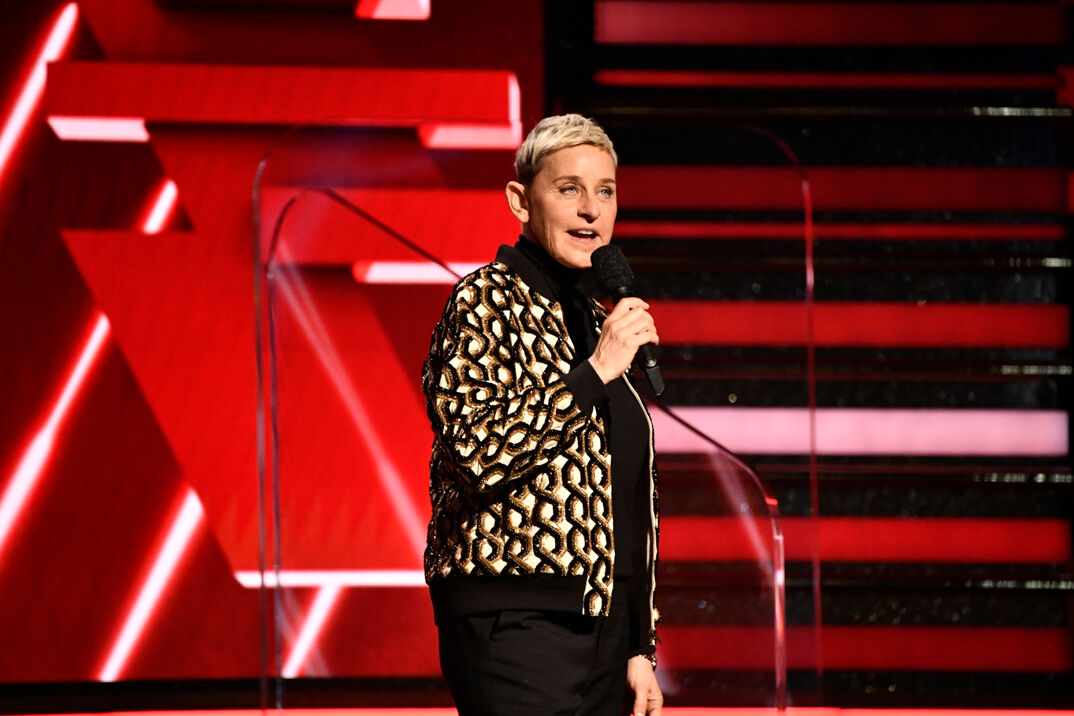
[
  {"x": 493, "y": 418},
  {"x": 642, "y": 636}
]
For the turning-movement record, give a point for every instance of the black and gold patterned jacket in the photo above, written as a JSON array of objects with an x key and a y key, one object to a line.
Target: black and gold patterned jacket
[{"x": 520, "y": 475}]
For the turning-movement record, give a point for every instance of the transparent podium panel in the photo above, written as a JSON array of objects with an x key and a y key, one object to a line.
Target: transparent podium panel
[
  {"x": 721, "y": 589},
  {"x": 359, "y": 237}
]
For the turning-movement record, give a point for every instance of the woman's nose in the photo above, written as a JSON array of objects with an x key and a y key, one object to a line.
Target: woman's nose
[{"x": 589, "y": 208}]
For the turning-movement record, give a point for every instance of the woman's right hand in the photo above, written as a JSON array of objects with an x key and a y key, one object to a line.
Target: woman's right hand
[{"x": 628, "y": 327}]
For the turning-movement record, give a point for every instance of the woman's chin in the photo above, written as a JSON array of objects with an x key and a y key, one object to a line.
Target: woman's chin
[{"x": 582, "y": 258}]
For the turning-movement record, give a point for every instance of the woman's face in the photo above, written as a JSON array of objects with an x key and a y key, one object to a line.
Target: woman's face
[{"x": 571, "y": 205}]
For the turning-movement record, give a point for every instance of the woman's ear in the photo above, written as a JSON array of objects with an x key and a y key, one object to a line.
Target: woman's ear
[{"x": 518, "y": 201}]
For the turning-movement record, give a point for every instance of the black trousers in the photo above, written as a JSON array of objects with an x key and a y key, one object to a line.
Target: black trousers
[{"x": 520, "y": 662}]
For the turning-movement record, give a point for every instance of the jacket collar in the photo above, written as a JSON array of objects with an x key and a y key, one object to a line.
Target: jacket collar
[{"x": 541, "y": 272}]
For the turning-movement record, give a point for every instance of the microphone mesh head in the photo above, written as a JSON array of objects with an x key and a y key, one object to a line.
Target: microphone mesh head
[{"x": 612, "y": 269}]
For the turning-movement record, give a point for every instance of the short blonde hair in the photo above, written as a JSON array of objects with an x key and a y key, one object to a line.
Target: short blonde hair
[{"x": 554, "y": 133}]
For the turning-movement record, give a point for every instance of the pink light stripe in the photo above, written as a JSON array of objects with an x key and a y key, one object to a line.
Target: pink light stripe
[
  {"x": 175, "y": 544},
  {"x": 322, "y": 606},
  {"x": 32, "y": 463},
  {"x": 410, "y": 272},
  {"x": 670, "y": 711},
  {"x": 99, "y": 129},
  {"x": 58, "y": 37},
  {"x": 867, "y": 431},
  {"x": 470, "y": 136},
  {"x": 162, "y": 208},
  {"x": 251, "y": 579},
  {"x": 393, "y": 9}
]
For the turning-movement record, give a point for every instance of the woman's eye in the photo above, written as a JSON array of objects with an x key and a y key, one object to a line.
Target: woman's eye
[
  {"x": 606, "y": 193},
  {"x": 569, "y": 189}
]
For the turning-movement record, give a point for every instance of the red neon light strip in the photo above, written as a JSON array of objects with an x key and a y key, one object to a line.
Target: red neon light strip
[
  {"x": 793, "y": 230},
  {"x": 821, "y": 80},
  {"x": 866, "y": 188},
  {"x": 869, "y": 539},
  {"x": 186, "y": 520},
  {"x": 827, "y": 23},
  {"x": 323, "y": 603},
  {"x": 863, "y": 324},
  {"x": 161, "y": 208},
  {"x": 31, "y": 465},
  {"x": 15, "y": 125},
  {"x": 870, "y": 648}
]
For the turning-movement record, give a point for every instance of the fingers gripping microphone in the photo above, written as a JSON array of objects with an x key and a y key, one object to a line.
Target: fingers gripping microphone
[{"x": 614, "y": 276}]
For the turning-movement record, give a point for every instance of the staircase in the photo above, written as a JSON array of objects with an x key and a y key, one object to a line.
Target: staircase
[{"x": 929, "y": 509}]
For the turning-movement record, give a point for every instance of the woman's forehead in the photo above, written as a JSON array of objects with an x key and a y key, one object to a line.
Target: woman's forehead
[{"x": 582, "y": 161}]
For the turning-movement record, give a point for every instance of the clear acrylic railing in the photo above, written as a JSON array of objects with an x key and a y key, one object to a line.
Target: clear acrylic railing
[{"x": 346, "y": 297}]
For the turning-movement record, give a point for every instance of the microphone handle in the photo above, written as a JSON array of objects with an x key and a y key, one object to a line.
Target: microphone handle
[{"x": 646, "y": 355}]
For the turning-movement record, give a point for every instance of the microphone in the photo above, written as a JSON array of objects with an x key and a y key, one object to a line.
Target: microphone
[{"x": 614, "y": 276}]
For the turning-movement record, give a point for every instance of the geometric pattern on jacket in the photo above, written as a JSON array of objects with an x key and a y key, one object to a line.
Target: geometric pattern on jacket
[{"x": 520, "y": 478}]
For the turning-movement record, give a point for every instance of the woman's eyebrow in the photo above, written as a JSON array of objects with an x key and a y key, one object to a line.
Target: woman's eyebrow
[{"x": 576, "y": 178}]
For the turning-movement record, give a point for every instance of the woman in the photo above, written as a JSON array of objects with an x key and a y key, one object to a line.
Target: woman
[{"x": 542, "y": 590}]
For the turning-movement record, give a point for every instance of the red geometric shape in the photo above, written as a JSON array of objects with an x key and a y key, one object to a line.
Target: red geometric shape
[
  {"x": 847, "y": 323},
  {"x": 465, "y": 225},
  {"x": 869, "y": 539},
  {"x": 161, "y": 293},
  {"x": 280, "y": 96},
  {"x": 828, "y": 23},
  {"x": 865, "y": 188},
  {"x": 182, "y": 314}
]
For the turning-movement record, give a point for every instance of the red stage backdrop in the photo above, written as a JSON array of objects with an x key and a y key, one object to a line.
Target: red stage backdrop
[{"x": 853, "y": 223}]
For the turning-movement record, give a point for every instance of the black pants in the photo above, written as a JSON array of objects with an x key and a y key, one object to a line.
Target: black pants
[{"x": 519, "y": 662}]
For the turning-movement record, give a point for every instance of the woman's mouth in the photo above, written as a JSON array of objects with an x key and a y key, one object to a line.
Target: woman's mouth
[{"x": 583, "y": 234}]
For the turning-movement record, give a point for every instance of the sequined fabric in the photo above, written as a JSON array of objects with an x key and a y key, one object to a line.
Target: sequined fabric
[{"x": 520, "y": 478}]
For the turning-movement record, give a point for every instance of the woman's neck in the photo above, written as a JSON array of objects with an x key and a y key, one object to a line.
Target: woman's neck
[{"x": 559, "y": 276}]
